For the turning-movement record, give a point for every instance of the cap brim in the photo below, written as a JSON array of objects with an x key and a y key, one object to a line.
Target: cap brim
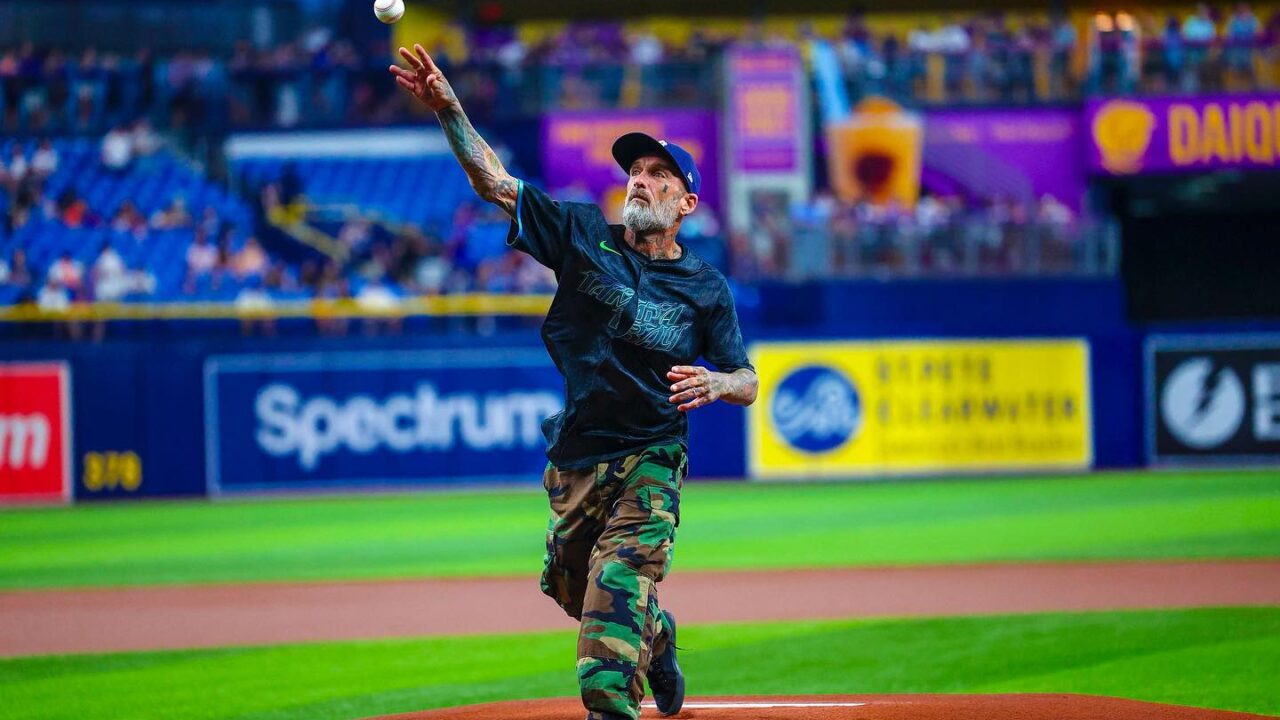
[{"x": 628, "y": 148}]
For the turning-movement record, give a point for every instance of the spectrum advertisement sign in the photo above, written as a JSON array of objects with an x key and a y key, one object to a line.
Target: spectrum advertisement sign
[
  {"x": 278, "y": 422},
  {"x": 850, "y": 409},
  {"x": 577, "y": 147},
  {"x": 1152, "y": 135},
  {"x": 35, "y": 432},
  {"x": 1213, "y": 400}
]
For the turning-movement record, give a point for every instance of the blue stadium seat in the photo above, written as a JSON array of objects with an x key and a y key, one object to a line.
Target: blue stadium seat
[{"x": 151, "y": 184}]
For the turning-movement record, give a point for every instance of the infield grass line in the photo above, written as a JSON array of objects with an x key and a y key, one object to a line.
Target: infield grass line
[
  {"x": 1217, "y": 657},
  {"x": 1122, "y": 516}
]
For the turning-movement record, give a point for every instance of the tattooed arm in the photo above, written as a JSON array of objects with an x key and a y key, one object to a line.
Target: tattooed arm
[
  {"x": 697, "y": 386},
  {"x": 427, "y": 83}
]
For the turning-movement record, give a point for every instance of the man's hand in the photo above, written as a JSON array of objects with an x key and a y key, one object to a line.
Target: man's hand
[
  {"x": 484, "y": 170},
  {"x": 695, "y": 387},
  {"x": 424, "y": 80}
]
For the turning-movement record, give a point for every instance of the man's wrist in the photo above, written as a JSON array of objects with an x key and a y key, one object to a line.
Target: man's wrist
[{"x": 451, "y": 110}]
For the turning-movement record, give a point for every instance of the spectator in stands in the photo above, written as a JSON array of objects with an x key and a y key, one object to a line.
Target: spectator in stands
[
  {"x": 202, "y": 261},
  {"x": 1053, "y": 221},
  {"x": 109, "y": 275},
  {"x": 15, "y": 172},
  {"x": 379, "y": 302},
  {"x": 1063, "y": 47},
  {"x": 173, "y": 216},
  {"x": 1051, "y": 211},
  {"x": 332, "y": 286},
  {"x": 497, "y": 274},
  {"x": 53, "y": 297},
  {"x": 532, "y": 277},
  {"x": 378, "y": 264},
  {"x": 143, "y": 139},
  {"x": 225, "y": 258},
  {"x": 73, "y": 211},
  {"x": 1199, "y": 26},
  {"x": 1173, "y": 51},
  {"x": 67, "y": 272},
  {"x": 253, "y": 303},
  {"x": 117, "y": 150},
  {"x": 44, "y": 162},
  {"x": 23, "y": 198},
  {"x": 279, "y": 278},
  {"x": 1199, "y": 32},
  {"x": 18, "y": 274},
  {"x": 128, "y": 220},
  {"x": 1243, "y": 30},
  {"x": 430, "y": 272},
  {"x": 210, "y": 222},
  {"x": 251, "y": 261},
  {"x": 355, "y": 234},
  {"x": 10, "y": 90}
]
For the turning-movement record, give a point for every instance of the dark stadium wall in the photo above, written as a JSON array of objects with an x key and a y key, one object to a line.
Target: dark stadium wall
[{"x": 144, "y": 401}]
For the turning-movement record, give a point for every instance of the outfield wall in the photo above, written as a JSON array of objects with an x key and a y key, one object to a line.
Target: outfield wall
[{"x": 940, "y": 377}]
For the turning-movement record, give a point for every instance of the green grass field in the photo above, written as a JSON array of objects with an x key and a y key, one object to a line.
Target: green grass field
[
  {"x": 724, "y": 526},
  {"x": 1224, "y": 657}
]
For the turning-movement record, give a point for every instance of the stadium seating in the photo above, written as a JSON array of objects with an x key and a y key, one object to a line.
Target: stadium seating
[
  {"x": 151, "y": 183},
  {"x": 422, "y": 191}
]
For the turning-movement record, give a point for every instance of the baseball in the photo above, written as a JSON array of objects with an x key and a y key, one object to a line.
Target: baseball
[{"x": 388, "y": 11}]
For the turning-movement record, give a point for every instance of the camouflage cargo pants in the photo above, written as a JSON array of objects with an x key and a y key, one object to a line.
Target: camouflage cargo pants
[{"x": 609, "y": 543}]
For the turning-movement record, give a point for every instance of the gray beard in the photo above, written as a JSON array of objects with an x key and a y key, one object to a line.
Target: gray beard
[{"x": 650, "y": 218}]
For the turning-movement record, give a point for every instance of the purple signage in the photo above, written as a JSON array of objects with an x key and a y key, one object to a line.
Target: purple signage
[
  {"x": 1013, "y": 154},
  {"x": 576, "y": 149},
  {"x": 764, "y": 110},
  {"x": 1181, "y": 134}
]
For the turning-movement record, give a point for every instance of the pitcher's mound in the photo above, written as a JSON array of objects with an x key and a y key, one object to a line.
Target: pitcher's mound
[{"x": 857, "y": 707}]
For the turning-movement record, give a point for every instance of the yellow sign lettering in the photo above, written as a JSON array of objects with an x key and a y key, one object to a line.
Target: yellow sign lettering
[
  {"x": 1258, "y": 139},
  {"x": 110, "y": 470},
  {"x": 1184, "y": 134},
  {"x": 903, "y": 407},
  {"x": 1214, "y": 141},
  {"x": 1235, "y": 114}
]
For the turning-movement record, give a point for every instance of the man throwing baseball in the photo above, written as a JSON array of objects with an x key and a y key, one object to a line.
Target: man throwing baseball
[{"x": 632, "y": 312}]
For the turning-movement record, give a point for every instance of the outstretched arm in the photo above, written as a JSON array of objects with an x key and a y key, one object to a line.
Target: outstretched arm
[
  {"x": 427, "y": 83},
  {"x": 696, "y": 386}
]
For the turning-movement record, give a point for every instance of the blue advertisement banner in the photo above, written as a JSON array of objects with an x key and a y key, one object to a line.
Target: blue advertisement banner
[{"x": 288, "y": 422}]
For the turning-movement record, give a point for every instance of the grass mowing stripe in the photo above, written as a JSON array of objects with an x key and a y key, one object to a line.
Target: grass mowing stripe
[
  {"x": 1233, "y": 668},
  {"x": 1217, "y": 657},
  {"x": 1128, "y": 516}
]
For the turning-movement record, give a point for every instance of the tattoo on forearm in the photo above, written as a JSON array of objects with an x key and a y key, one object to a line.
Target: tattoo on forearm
[
  {"x": 488, "y": 177},
  {"x": 738, "y": 387}
]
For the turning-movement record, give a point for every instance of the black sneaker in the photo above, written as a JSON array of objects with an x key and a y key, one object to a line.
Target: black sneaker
[
  {"x": 605, "y": 716},
  {"x": 666, "y": 682}
]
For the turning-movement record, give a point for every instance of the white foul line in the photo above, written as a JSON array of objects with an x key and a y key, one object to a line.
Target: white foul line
[{"x": 763, "y": 705}]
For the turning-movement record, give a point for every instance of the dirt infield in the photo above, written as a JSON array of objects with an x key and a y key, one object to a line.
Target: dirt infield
[
  {"x": 101, "y": 620},
  {"x": 858, "y": 707}
]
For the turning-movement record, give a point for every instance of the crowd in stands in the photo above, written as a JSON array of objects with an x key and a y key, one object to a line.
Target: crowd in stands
[
  {"x": 941, "y": 236},
  {"x": 322, "y": 79},
  {"x": 1206, "y": 50},
  {"x": 315, "y": 80},
  {"x": 96, "y": 242},
  {"x": 66, "y": 241},
  {"x": 1000, "y": 58}
]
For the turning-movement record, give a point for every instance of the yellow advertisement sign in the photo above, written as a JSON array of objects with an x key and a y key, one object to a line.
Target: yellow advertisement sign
[{"x": 915, "y": 407}]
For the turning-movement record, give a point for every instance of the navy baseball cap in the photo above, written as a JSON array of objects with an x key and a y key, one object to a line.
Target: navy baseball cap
[{"x": 637, "y": 145}]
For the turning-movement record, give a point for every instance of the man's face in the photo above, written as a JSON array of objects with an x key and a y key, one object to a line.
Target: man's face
[{"x": 656, "y": 196}]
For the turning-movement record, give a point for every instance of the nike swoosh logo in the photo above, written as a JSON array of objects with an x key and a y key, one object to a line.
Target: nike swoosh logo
[{"x": 606, "y": 247}]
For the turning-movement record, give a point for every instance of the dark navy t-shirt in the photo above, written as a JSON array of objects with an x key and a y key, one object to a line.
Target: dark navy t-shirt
[{"x": 618, "y": 323}]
